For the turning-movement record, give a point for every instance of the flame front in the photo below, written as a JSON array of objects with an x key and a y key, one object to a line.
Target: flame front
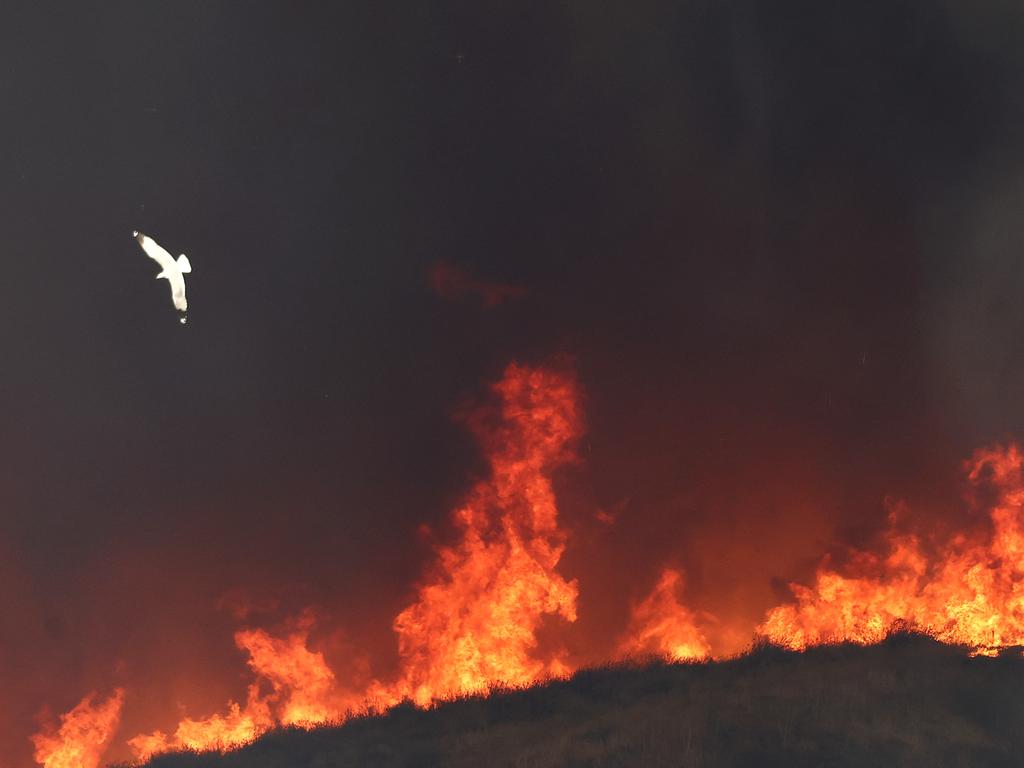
[
  {"x": 302, "y": 693},
  {"x": 474, "y": 623},
  {"x": 301, "y": 680},
  {"x": 219, "y": 732},
  {"x": 476, "y": 618},
  {"x": 974, "y": 596},
  {"x": 663, "y": 626},
  {"x": 83, "y": 735}
]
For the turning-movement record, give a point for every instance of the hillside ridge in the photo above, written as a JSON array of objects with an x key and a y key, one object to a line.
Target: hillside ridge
[{"x": 908, "y": 701}]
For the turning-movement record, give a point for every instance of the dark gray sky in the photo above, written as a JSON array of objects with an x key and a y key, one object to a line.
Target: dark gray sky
[{"x": 781, "y": 242}]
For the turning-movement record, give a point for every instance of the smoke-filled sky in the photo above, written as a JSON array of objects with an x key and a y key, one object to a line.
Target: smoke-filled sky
[{"x": 779, "y": 243}]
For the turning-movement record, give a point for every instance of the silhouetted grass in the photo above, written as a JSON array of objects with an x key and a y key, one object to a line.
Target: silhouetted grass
[{"x": 909, "y": 701}]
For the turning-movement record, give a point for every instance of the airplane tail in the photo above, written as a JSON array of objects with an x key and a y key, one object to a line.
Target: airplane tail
[{"x": 183, "y": 264}]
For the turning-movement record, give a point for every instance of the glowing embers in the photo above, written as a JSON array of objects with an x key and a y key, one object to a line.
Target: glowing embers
[
  {"x": 83, "y": 735},
  {"x": 973, "y": 594}
]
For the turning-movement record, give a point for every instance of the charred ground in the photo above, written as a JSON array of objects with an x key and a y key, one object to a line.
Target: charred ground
[{"x": 908, "y": 701}]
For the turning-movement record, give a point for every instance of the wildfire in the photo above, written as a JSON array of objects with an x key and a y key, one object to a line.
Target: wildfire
[
  {"x": 302, "y": 693},
  {"x": 662, "y": 625},
  {"x": 300, "y": 678},
  {"x": 475, "y": 619},
  {"x": 217, "y": 732},
  {"x": 973, "y": 596},
  {"x": 83, "y": 735},
  {"x": 474, "y": 623}
]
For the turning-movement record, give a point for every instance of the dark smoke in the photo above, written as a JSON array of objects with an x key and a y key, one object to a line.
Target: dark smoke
[{"x": 779, "y": 240}]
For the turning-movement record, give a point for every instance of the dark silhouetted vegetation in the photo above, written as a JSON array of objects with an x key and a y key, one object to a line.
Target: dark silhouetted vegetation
[{"x": 907, "y": 702}]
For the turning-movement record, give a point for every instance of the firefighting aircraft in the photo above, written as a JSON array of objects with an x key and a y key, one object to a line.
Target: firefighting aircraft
[{"x": 172, "y": 269}]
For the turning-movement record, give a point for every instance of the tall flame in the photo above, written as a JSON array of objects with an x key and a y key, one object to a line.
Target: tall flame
[
  {"x": 83, "y": 735},
  {"x": 475, "y": 620},
  {"x": 301, "y": 680},
  {"x": 662, "y": 625},
  {"x": 474, "y": 623},
  {"x": 974, "y": 596}
]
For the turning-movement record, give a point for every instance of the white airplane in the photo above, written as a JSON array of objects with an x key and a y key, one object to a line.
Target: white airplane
[{"x": 172, "y": 269}]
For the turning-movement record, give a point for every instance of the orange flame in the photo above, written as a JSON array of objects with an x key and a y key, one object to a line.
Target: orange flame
[
  {"x": 215, "y": 733},
  {"x": 474, "y": 623},
  {"x": 975, "y": 596},
  {"x": 301, "y": 679},
  {"x": 475, "y": 620},
  {"x": 302, "y": 693},
  {"x": 662, "y": 625},
  {"x": 83, "y": 735}
]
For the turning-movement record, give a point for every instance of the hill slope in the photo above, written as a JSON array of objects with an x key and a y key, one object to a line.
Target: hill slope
[{"x": 909, "y": 702}]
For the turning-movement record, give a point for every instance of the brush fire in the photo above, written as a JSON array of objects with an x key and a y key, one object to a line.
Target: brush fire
[{"x": 492, "y": 606}]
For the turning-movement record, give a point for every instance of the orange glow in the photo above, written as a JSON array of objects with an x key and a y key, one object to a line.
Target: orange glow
[
  {"x": 301, "y": 680},
  {"x": 302, "y": 693},
  {"x": 973, "y": 596},
  {"x": 453, "y": 282},
  {"x": 474, "y": 622},
  {"x": 83, "y": 735},
  {"x": 663, "y": 626},
  {"x": 238, "y": 726}
]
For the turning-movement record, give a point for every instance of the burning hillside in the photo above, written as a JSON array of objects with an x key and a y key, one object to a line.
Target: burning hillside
[
  {"x": 756, "y": 264},
  {"x": 495, "y": 610},
  {"x": 971, "y": 594},
  {"x": 907, "y": 701},
  {"x": 475, "y": 619}
]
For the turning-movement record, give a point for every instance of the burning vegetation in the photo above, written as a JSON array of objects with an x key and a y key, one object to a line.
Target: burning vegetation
[
  {"x": 663, "y": 626},
  {"x": 907, "y": 701},
  {"x": 973, "y": 595},
  {"x": 478, "y": 615},
  {"x": 475, "y": 620},
  {"x": 83, "y": 735}
]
